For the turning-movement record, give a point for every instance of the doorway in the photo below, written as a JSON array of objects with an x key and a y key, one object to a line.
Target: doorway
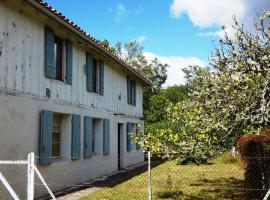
[{"x": 120, "y": 145}]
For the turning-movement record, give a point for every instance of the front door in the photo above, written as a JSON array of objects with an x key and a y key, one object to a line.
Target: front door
[{"x": 119, "y": 147}]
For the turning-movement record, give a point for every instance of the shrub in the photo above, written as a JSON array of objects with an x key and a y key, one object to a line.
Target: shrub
[{"x": 255, "y": 154}]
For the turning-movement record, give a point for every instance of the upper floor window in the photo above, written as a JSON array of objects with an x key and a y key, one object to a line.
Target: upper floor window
[
  {"x": 94, "y": 75},
  {"x": 131, "y": 91},
  {"x": 58, "y": 57},
  {"x": 55, "y": 47}
]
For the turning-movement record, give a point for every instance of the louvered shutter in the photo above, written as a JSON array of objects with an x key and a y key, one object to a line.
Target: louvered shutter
[
  {"x": 88, "y": 136},
  {"x": 106, "y": 137},
  {"x": 134, "y": 93},
  {"x": 76, "y": 137},
  {"x": 69, "y": 61},
  {"x": 137, "y": 132},
  {"x": 50, "y": 68},
  {"x": 128, "y": 91},
  {"x": 89, "y": 73},
  {"x": 129, "y": 130},
  {"x": 45, "y": 138},
  {"x": 101, "y": 78}
]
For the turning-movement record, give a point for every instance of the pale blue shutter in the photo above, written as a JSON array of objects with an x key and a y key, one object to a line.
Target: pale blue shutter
[
  {"x": 106, "y": 137},
  {"x": 69, "y": 61},
  {"x": 89, "y": 73},
  {"x": 76, "y": 137},
  {"x": 50, "y": 68},
  {"x": 129, "y": 129},
  {"x": 137, "y": 132},
  {"x": 134, "y": 93},
  {"x": 101, "y": 78},
  {"x": 88, "y": 136},
  {"x": 45, "y": 138},
  {"x": 128, "y": 91}
]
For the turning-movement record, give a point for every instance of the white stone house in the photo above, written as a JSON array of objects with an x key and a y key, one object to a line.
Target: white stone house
[{"x": 64, "y": 97}]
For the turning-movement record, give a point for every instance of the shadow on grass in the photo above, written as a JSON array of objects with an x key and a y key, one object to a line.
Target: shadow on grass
[
  {"x": 209, "y": 189},
  {"x": 110, "y": 181}
]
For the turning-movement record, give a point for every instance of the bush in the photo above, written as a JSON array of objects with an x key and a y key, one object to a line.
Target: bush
[{"x": 255, "y": 154}]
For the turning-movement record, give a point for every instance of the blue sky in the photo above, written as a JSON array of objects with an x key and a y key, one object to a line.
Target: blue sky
[{"x": 178, "y": 32}]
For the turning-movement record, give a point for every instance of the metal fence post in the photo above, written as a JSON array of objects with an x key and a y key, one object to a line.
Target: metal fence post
[
  {"x": 149, "y": 177},
  {"x": 30, "y": 176}
]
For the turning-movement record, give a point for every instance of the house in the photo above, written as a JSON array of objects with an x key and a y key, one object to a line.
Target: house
[{"x": 64, "y": 96}]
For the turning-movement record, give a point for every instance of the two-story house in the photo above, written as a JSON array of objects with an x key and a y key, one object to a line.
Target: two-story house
[{"x": 64, "y": 96}]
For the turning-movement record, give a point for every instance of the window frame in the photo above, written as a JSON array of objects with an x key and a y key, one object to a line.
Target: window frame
[
  {"x": 131, "y": 90},
  {"x": 55, "y": 116},
  {"x": 59, "y": 57}
]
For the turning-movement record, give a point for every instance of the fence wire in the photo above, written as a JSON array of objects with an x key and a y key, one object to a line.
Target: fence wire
[
  {"x": 16, "y": 176},
  {"x": 223, "y": 177}
]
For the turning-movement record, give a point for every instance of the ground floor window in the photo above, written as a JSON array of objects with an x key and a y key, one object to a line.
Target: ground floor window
[{"x": 56, "y": 136}]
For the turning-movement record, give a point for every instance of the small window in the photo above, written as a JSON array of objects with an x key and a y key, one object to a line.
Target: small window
[
  {"x": 56, "y": 136},
  {"x": 95, "y": 76},
  {"x": 58, "y": 58},
  {"x": 131, "y": 92}
]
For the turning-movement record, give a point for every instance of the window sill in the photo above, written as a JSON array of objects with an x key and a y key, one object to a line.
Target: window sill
[{"x": 96, "y": 93}]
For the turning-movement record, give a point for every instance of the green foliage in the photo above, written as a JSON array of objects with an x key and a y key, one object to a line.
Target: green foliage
[
  {"x": 229, "y": 98},
  {"x": 156, "y": 111}
]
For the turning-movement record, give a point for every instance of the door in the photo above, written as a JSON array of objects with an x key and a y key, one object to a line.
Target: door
[{"x": 119, "y": 145}]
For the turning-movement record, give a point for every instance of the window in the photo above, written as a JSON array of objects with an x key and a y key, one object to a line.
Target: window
[
  {"x": 54, "y": 54},
  {"x": 94, "y": 75},
  {"x": 132, "y": 128},
  {"x": 58, "y": 57},
  {"x": 131, "y": 92},
  {"x": 56, "y": 136}
]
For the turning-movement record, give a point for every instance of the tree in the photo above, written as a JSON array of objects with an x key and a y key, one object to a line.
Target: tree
[
  {"x": 229, "y": 98},
  {"x": 158, "y": 103}
]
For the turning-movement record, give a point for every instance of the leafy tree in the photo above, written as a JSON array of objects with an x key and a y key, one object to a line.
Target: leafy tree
[
  {"x": 230, "y": 98},
  {"x": 158, "y": 103}
]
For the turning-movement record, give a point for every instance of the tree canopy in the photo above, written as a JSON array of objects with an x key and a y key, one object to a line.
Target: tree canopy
[{"x": 230, "y": 97}]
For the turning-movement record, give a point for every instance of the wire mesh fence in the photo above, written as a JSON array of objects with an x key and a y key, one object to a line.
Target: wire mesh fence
[
  {"x": 15, "y": 176},
  {"x": 224, "y": 177}
]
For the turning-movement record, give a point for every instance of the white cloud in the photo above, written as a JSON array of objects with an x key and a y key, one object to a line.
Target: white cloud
[
  {"x": 140, "y": 38},
  {"x": 121, "y": 13},
  {"x": 176, "y": 64},
  {"x": 209, "y": 13}
]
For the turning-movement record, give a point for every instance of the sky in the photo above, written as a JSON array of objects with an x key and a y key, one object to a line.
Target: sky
[{"x": 177, "y": 32}]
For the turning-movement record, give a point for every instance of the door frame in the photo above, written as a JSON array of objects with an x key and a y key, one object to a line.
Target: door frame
[{"x": 120, "y": 145}]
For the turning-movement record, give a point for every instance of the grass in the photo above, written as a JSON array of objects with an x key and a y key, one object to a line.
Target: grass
[{"x": 220, "y": 179}]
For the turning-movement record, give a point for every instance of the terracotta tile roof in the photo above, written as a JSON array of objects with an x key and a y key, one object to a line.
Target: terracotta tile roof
[{"x": 106, "y": 50}]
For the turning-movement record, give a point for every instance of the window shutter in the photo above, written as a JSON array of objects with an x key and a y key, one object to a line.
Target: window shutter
[
  {"x": 134, "y": 93},
  {"x": 50, "y": 68},
  {"x": 69, "y": 61},
  {"x": 76, "y": 137},
  {"x": 129, "y": 130},
  {"x": 45, "y": 138},
  {"x": 106, "y": 137},
  {"x": 88, "y": 136},
  {"x": 89, "y": 73},
  {"x": 128, "y": 91},
  {"x": 137, "y": 131},
  {"x": 101, "y": 78}
]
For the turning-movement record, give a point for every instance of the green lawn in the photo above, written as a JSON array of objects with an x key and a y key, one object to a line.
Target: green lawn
[{"x": 222, "y": 179}]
